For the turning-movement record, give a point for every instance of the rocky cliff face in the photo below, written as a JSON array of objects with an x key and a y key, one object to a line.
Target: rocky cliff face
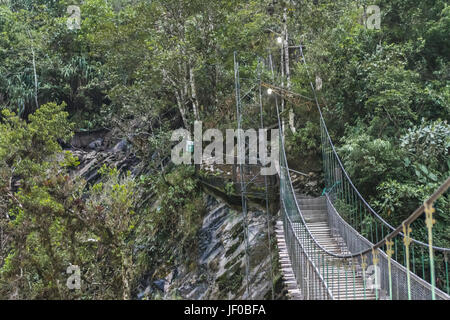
[
  {"x": 221, "y": 268},
  {"x": 220, "y": 271}
]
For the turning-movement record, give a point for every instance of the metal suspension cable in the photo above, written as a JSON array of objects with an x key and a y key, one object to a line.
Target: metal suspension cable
[
  {"x": 396, "y": 231},
  {"x": 313, "y": 251},
  {"x": 369, "y": 249},
  {"x": 371, "y": 210},
  {"x": 292, "y": 188},
  {"x": 280, "y": 128}
]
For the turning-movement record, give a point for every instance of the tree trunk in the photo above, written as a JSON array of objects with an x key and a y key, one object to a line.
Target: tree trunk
[
  {"x": 181, "y": 108},
  {"x": 127, "y": 270},
  {"x": 282, "y": 79},
  {"x": 35, "y": 74},
  {"x": 125, "y": 281},
  {"x": 193, "y": 91},
  {"x": 287, "y": 66},
  {"x": 179, "y": 97}
]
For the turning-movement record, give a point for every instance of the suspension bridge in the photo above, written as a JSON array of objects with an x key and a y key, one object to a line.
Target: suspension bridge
[{"x": 337, "y": 246}]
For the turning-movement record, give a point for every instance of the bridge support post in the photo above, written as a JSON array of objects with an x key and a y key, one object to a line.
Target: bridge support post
[
  {"x": 363, "y": 267},
  {"x": 389, "y": 252},
  {"x": 407, "y": 241},
  {"x": 429, "y": 210}
]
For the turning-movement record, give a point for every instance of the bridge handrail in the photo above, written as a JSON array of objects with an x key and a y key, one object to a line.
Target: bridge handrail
[
  {"x": 284, "y": 170},
  {"x": 287, "y": 184},
  {"x": 395, "y": 231},
  {"x": 371, "y": 210},
  {"x": 316, "y": 270},
  {"x": 291, "y": 188},
  {"x": 395, "y": 264}
]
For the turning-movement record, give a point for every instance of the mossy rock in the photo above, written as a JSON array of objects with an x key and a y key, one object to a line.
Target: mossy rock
[
  {"x": 234, "y": 260},
  {"x": 259, "y": 253},
  {"x": 236, "y": 230},
  {"x": 233, "y": 248},
  {"x": 231, "y": 280}
]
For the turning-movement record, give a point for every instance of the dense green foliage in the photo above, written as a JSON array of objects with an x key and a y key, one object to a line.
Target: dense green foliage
[
  {"x": 46, "y": 226},
  {"x": 148, "y": 67}
]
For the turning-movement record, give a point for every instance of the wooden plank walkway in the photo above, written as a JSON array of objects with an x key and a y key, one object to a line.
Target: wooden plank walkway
[
  {"x": 287, "y": 273},
  {"x": 344, "y": 282}
]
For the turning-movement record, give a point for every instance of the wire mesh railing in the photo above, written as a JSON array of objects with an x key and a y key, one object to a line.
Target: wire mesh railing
[
  {"x": 377, "y": 261},
  {"x": 386, "y": 276},
  {"x": 321, "y": 274},
  {"x": 396, "y": 270},
  {"x": 411, "y": 254},
  {"x": 301, "y": 248}
]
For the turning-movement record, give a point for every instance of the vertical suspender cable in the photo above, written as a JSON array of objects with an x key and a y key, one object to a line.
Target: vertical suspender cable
[
  {"x": 269, "y": 238},
  {"x": 241, "y": 173}
]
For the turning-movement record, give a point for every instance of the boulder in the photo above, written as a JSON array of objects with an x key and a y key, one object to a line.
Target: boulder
[{"x": 96, "y": 144}]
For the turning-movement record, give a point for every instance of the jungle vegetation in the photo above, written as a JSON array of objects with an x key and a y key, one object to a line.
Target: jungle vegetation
[{"x": 149, "y": 67}]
